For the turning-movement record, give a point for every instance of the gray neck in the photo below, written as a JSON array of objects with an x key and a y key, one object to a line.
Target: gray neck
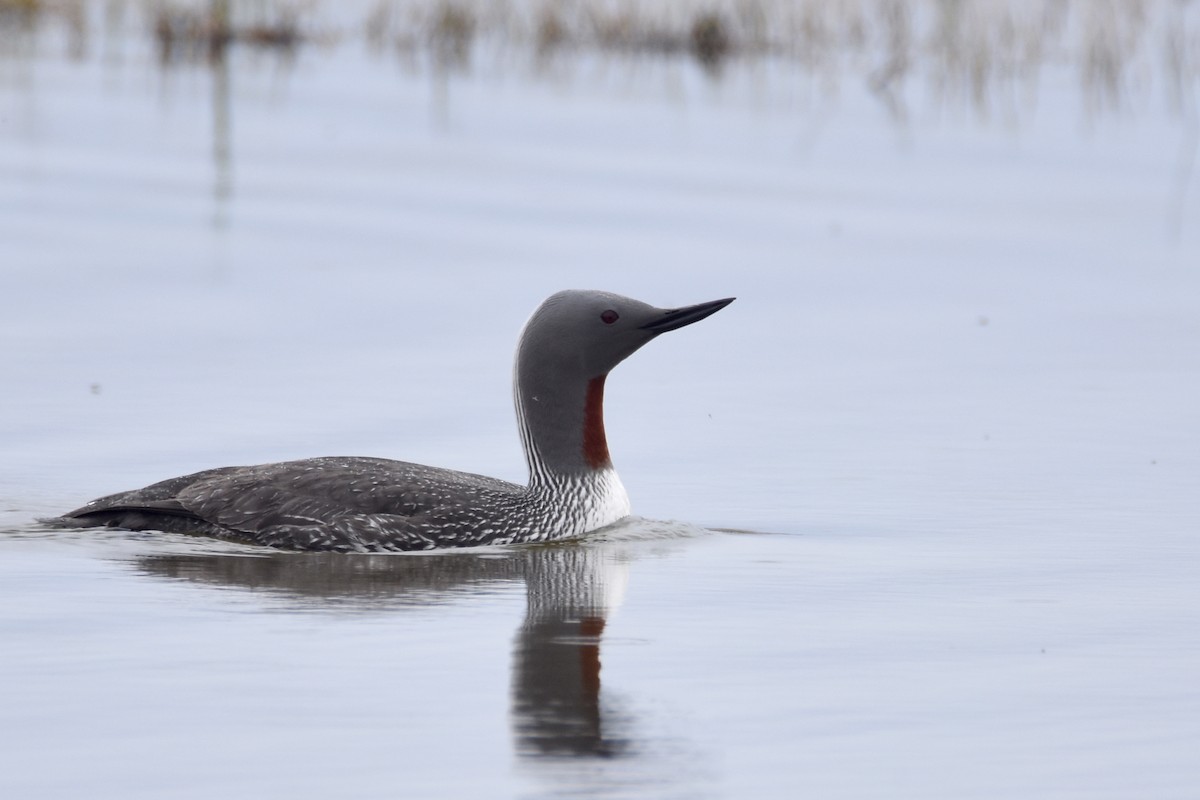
[{"x": 562, "y": 425}]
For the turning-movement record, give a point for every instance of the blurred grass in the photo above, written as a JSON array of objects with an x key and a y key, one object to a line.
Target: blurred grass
[
  {"x": 963, "y": 52},
  {"x": 183, "y": 32}
]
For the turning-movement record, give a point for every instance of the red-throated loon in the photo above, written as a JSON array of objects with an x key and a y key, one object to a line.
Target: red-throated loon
[{"x": 358, "y": 504}]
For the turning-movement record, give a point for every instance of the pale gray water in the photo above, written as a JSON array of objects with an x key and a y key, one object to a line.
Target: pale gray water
[{"x": 955, "y": 400}]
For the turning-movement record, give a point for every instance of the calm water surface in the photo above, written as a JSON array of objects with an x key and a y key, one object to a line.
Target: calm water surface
[{"x": 933, "y": 476}]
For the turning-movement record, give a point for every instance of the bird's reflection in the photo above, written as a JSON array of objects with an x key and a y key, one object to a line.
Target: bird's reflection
[
  {"x": 314, "y": 581},
  {"x": 557, "y": 705},
  {"x": 557, "y": 708}
]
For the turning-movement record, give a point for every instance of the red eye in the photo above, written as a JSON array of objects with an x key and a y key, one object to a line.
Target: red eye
[{"x": 610, "y": 317}]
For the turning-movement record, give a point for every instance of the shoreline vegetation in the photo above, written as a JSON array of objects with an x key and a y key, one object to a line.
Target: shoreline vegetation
[{"x": 1125, "y": 53}]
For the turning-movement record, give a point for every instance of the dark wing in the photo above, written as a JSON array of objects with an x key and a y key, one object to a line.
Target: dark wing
[
  {"x": 138, "y": 508},
  {"x": 355, "y": 504}
]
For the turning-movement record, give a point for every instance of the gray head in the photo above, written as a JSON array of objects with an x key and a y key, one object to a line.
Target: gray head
[
  {"x": 583, "y": 334},
  {"x": 567, "y": 349}
]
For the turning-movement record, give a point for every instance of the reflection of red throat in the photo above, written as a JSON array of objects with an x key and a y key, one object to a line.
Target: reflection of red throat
[
  {"x": 589, "y": 654},
  {"x": 595, "y": 446}
]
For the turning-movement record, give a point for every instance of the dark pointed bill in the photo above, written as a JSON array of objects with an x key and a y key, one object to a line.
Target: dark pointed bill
[{"x": 675, "y": 318}]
